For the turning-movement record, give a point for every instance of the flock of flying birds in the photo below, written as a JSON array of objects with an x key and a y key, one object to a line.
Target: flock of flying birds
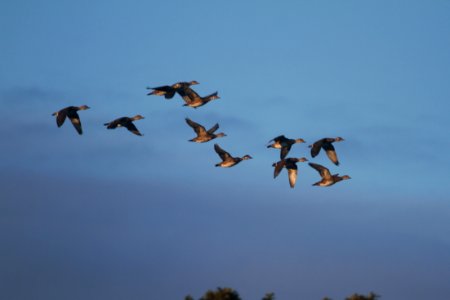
[{"x": 192, "y": 99}]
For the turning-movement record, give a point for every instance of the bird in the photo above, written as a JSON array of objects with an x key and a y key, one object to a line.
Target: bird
[
  {"x": 168, "y": 91},
  {"x": 291, "y": 166},
  {"x": 326, "y": 144},
  {"x": 285, "y": 144},
  {"x": 71, "y": 113},
  {"x": 327, "y": 178},
  {"x": 125, "y": 122},
  {"x": 192, "y": 99},
  {"x": 204, "y": 135},
  {"x": 228, "y": 160}
]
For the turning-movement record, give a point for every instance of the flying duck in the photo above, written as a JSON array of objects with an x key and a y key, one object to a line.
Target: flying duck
[
  {"x": 283, "y": 143},
  {"x": 71, "y": 113},
  {"x": 125, "y": 122},
  {"x": 228, "y": 160},
  {"x": 327, "y": 178},
  {"x": 202, "y": 134},
  {"x": 291, "y": 166},
  {"x": 168, "y": 91},
  {"x": 192, "y": 99},
  {"x": 326, "y": 144}
]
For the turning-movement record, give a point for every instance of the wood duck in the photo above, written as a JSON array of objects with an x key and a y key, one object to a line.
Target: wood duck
[
  {"x": 326, "y": 144},
  {"x": 228, "y": 160},
  {"x": 71, "y": 113},
  {"x": 202, "y": 134},
  {"x": 192, "y": 99},
  {"x": 291, "y": 166},
  {"x": 168, "y": 91},
  {"x": 283, "y": 143},
  {"x": 125, "y": 122},
  {"x": 327, "y": 178}
]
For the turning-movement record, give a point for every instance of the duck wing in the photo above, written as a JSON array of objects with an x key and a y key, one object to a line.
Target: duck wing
[
  {"x": 131, "y": 127},
  {"x": 331, "y": 153},
  {"x": 284, "y": 151},
  {"x": 324, "y": 172},
  {"x": 279, "y": 139},
  {"x": 278, "y": 167},
  {"x": 60, "y": 117},
  {"x": 75, "y": 119},
  {"x": 188, "y": 95},
  {"x": 213, "y": 129},
  {"x": 292, "y": 173},
  {"x": 315, "y": 148},
  {"x": 224, "y": 155},
  {"x": 199, "y": 129}
]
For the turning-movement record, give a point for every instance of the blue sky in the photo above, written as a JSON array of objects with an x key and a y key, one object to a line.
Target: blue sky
[{"x": 109, "y": 215}]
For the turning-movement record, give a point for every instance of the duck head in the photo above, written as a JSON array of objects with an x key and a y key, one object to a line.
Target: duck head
[
  {"x": 338, "y": 139},
  {"x": 300, "y": 141},
  {"x": 302, "y": 159},
  {"x": 83, "y": 107},
  {"x": 246, "y": 157},
  {"x": 137, "y": 117}
]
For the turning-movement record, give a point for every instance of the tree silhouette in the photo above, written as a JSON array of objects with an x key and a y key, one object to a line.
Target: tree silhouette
[{"x": 221, "y": 294}]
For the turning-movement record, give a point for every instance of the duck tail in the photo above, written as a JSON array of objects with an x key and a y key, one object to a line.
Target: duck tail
[{"x": 55, "y": 114}]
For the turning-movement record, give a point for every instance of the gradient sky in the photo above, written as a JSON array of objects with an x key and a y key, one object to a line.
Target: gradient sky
[{"x": 110, "y": 215}]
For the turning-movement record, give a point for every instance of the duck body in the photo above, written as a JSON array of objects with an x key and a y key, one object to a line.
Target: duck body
[
  {"x": 327, "y": 145},
  {"x": 168, "y": 91},
  {"x": 203, "y": 135},
  {"x": 291, "y": 166},
  {"x": 228, "y": 161},
  {"x": 70, "y": 112},
  {"x": 283, "y": 143},
  {"x": 126, "y": 122},
  {"x": 192, "y": 99},
  {"x": 327, "y": 178}
]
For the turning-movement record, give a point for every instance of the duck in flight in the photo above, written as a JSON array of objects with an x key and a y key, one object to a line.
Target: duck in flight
[
  {"x": 204, "y": 135},
  {"x": 291, "y": 166},
  {"x": 228, "y": 160},
  {"x": 168, "y": 91},
  {"x": 327, "y": 178},
  {"x": 327, "y": 145},
  {"x": 71, "y": 113},
  {"x": 192, "y": 99},
  {"x": 283, "y": 143},
  {"x": 125, "y": 122}
]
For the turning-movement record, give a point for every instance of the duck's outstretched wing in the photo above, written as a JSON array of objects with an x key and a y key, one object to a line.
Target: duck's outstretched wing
[
  {"x": 278, "y": 167},
  {"x": 284, "y": 151},
  {"x": 60, "y": 117},
  {"x": 75, "y": 119},
  {"x": 213, "y": 129},
  {"x": 131, "y": 127},
  {"x": 224, "y": 155},
  {"x": 292, "y": 173},
  {"x": 315, "y": 148},
  {"x": 199, "y": 129},
  {"x": 188, "y": 94},
  {"x": 324, "y": 172},
  {"x": 331, "y": 153}
]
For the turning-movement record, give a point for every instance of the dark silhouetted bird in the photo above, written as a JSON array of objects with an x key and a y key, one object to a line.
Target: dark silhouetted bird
[
  {"x": 228, "y": 160},
  {"x": 291, "y": 166},
  {"x": 204, "y": 135},
  {"x": 71, "y": 113},
  {"x": 168, "y": 91},
  {"x": 125, "y": 122},
  {"x": 192, "y": 99},
  {"x": 326, "y": 144},
  {"x": 327, "y": 178},
  {"x": 283, "y": 143}
]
